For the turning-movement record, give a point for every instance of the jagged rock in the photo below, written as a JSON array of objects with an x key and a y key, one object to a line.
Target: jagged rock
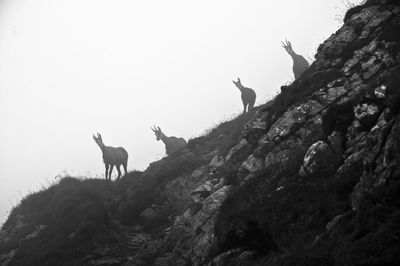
[
  {"x": 264, "y": 146},
  {"x": 377, "y": 19},
  {"x": 337, "y": 83},
  {"x": 202, "y": 193},
  {"x": 322, "y": 158},
  {"x": 236, "y": 256},
  {"x": 358, "y": 55},
  {"x": 335, "y": 141},
  {"x": 316, "y": 158},
  {"x": 366, "y": 153},
  {"x": 330, "y": 95},
  {"x": 334, "y": 46},
  {"x": 292, "y": 119},
  {"x": 378, "y": 164},
  {"x": 204, "y": 222},
  {"x": 289, "y": 154},
  {"x": 335, "y": 221},
  {"x": 366, "y": 114},
  {"x": 199, "y": 172},
  {"x": 253, "y": 164},
  {"x": 256, "y": 127},
  {"x": 353, "y": 133},
  {"x": 208, "y": 186},
  {"x": 194, "y": 231},
  {"x": 372, "y": 69},
  {"x": 216, "y": 162},
  {"x": 380, "y": 92},
  {"x": 182, "y": 187},
  {"x": 195, "y": 208},
  {"x": 236, "y": 149}
]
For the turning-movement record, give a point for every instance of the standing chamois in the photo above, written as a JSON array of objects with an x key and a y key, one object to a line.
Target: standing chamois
[
  {"x": 300, "y": 64},
  {"x": 248, "y": 96},
  {"x": 112, "y": 157},
  {"x": 172, "y": 144}
]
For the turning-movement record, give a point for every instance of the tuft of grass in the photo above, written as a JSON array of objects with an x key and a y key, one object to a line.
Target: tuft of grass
[
  {"x": 347, "y": 9},
  {"x": 71, "y": 212}
]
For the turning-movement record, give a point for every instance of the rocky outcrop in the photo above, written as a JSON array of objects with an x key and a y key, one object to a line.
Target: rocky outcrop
[
  {"x": 309, "y": 159},
  {"x": 310, "y": 178}
]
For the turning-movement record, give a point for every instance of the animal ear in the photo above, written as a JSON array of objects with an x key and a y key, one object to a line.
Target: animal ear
[
  {"x": 153, "y": 130},
  {"x": 94, "y": 137},
  {"x": 159, "y": 129}
]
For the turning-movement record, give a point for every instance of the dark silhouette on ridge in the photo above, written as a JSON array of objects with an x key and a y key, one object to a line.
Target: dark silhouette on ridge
[
  {"x": 172, "y": 144},
  {"x": 300, "y": 64},
  {"x": 112, "y": 156},
  {"x": 248, "y": 96}
]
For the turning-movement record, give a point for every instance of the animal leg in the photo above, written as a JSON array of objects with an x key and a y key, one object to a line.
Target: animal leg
[
  {"x": 106, "y": 171},
  {"x": 119, "y": 170},
  {"x": 251, "y": 106},
  {"x": 109, "y": 173},
  {"x": 125, "y": 166}
]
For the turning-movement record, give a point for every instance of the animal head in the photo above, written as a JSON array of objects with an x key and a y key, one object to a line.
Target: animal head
[
  {"x": 238, "y": 83},
  {"x": 157, "y": 131},
  {"x": 98, "y": 139},
  {"x": 288, "y": 47}
]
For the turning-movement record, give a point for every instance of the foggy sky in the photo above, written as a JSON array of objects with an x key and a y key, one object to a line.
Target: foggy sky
[{"x": 71, "y": 68}]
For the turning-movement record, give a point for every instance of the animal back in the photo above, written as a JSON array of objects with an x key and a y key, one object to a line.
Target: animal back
[
  {"x": 174, "y": 144},
  {"x": 248, "y": 95},
  {"x": 115, "y": 156},
  {"x": 300, "y": 65}
]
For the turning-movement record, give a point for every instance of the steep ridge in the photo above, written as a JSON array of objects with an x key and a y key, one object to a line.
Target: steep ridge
[{"x": 310, "y": 178}]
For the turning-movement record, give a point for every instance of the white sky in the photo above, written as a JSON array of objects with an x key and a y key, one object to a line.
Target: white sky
[{"x": 71, "y": 68}]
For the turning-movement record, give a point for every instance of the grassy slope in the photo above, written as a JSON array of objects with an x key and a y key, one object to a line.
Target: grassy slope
[{"x": 77, "y": 212}]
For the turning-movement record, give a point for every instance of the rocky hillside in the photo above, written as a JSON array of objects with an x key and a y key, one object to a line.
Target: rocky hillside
[{"x": 310, "y": 178}]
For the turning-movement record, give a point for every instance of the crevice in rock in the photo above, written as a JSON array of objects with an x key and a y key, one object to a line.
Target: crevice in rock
[{"x": 251, "y": 237}]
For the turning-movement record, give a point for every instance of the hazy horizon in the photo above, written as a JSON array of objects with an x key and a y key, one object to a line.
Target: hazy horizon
[{"x": 73, "y": 68}]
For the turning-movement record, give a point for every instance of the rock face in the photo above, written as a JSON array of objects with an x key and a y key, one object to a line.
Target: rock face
[{"x": 310, "y": 178}]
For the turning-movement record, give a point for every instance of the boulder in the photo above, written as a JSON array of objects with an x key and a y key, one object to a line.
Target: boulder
[
  {"x": 253, "y": 164},
  {"x": 366, "y": 114},
  {"x": 322, "y": 158}
]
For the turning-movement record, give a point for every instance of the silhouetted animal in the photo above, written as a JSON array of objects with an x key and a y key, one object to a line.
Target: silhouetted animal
[
  {"x": 300, "y": 64},
  {"x": 248, "y": 96},
  {"x": 172, "y": 144},
  {"x": 112, "y": 157}
]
